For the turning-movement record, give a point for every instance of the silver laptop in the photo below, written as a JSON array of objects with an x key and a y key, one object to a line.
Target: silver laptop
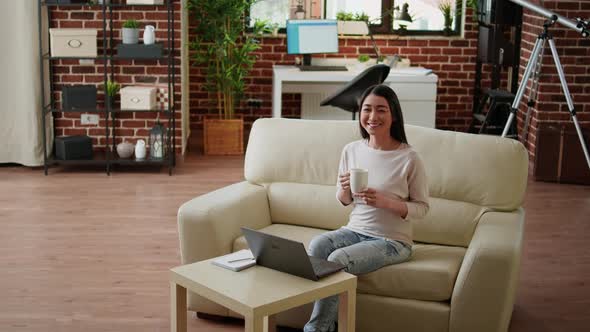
[{"x": 287, "y": 256}]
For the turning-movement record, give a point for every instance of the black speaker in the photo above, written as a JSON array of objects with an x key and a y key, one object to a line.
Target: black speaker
[
  {"x": 78, "y": 97},
  {"x": 491, "y": 39},
  {"x": 73, "y": 147},
  {"x": 499, "y": 12}
]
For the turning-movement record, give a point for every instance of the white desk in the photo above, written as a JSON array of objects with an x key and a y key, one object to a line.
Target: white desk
[{"x": 417, "y": 93}]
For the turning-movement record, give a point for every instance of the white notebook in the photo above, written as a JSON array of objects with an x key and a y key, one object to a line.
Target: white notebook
[{"x": 236, "y": 261}]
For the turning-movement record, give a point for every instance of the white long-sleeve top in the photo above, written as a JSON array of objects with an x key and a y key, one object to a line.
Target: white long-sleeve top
[{"x": 396, "y": 173}]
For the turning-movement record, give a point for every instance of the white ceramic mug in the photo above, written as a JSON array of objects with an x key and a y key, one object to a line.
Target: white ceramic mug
[{"x": 359, "y": 179}]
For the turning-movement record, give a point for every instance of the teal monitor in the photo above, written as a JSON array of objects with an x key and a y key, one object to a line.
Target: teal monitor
[{"x": 312, "y": 36}]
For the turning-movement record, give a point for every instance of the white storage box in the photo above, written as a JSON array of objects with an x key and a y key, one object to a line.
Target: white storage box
[
  {"x": 138, "y": 98},
  {"x": 145, "y": 2},
  {"x": 73, "y": 42}
]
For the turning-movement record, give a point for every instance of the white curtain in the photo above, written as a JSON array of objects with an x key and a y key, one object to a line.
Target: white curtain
[{"x": 21, "y": 132}]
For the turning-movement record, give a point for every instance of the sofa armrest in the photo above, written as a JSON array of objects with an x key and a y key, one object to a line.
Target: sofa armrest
[
  {"x": 209, "y": 224},
  {"x": 484, "y": 293}
]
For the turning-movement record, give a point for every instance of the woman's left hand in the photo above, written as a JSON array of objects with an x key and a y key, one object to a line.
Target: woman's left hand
[{"x": 374, "y": 198}]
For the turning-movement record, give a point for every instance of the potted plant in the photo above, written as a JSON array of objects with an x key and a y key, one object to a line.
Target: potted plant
[
  {"x": 262, "y": 27},
  {"x": 225, "y": 51},
  {"x": 111, "y": 89},
  {"x": 446, "y": 8},
  {"x": 130, "y": 32},
  {"x": 352, "y": 24}
]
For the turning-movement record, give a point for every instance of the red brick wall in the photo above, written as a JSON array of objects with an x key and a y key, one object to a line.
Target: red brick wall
[
  {"x": 452, "y": 59},
  {"x": 574, "y": 54},
  {"x": 129, "y": 126}
]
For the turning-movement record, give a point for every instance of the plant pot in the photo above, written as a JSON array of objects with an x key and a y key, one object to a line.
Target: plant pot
[
  {"x": 223, "y": 137},
  {"x": 110, "y": 102},
  {"x": 130, "y": 36},
  {"x": 352, "y": 28}
]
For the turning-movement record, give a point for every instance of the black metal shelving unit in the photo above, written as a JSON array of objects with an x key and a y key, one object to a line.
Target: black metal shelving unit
[
  {"x": 495, "y": 16},
  {"x": 109, "y": 59}
]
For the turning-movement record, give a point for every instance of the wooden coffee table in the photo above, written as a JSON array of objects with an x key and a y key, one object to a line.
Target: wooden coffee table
[{"x": 257, "y": 293}]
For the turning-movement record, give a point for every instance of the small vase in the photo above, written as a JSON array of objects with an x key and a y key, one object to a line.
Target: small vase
[
  {"x": 140, "y": 150},
  {"x": 125, "y": 150},
  {"x": 149, "y": 35}
]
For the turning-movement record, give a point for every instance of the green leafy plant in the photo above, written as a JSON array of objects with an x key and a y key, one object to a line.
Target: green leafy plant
[
  {"x": 364, "y": 58},
  {"x": 362, "y": 16},
  {"x": 221, "y": 45},
  {"x": 262, "y": 26},
  {"x": 446, "y": 7},
  {"x": 131, "y": 24},
  {"x": 112, "y": 88},
  {"x": 346, "y": 16}
]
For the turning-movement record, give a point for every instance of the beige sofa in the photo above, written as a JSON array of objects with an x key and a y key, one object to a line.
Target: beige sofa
[{"x": 465, "y": 265}]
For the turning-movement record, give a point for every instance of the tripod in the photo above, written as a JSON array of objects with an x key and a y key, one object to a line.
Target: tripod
[{"x": 536, "y": 59}]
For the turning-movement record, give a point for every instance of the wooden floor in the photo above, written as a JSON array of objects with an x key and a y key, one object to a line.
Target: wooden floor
[{"x": 82, "y": 251}]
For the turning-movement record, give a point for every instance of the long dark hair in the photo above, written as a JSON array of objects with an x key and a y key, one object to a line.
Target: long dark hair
[{"x": 396, "y": 130}]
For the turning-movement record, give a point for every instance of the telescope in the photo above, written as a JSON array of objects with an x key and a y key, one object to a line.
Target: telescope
[
  {"x": 578, "y": 24},
  {"x": 535, "y": 60}
]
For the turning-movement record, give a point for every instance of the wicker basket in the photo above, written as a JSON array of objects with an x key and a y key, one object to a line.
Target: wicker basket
[{"x": 223, "y": 137}]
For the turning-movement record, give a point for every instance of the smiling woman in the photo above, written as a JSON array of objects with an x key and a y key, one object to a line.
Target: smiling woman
[{"x": 379, "y": 229}]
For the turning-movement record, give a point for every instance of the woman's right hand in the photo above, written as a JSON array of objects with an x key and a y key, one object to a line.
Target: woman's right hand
[
  {"x": 344, "y": 181},
  {"x": 344, "y": 193}
]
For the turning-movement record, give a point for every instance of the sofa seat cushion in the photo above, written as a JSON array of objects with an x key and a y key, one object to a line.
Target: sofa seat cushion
[{"x": 429, "y": 275}]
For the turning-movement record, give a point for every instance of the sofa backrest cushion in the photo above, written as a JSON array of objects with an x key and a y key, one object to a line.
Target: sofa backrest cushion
[
  {"x": 300, "y": 151},
  {"x": 310, "y": 205},
  {"x": 297, "y": 160}
]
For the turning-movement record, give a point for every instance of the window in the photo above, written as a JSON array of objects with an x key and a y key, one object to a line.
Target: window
[
  {"x": 422, "y": 17},
  {"x": 369, "y": 7},
  {"x": 271, "y": 11}
]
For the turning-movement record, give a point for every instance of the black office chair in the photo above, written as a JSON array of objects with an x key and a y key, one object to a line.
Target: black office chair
[{"x": 347, "y": 97}]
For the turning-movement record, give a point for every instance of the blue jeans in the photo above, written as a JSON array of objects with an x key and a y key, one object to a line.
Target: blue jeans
[{"x": 360, "y": 254}]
